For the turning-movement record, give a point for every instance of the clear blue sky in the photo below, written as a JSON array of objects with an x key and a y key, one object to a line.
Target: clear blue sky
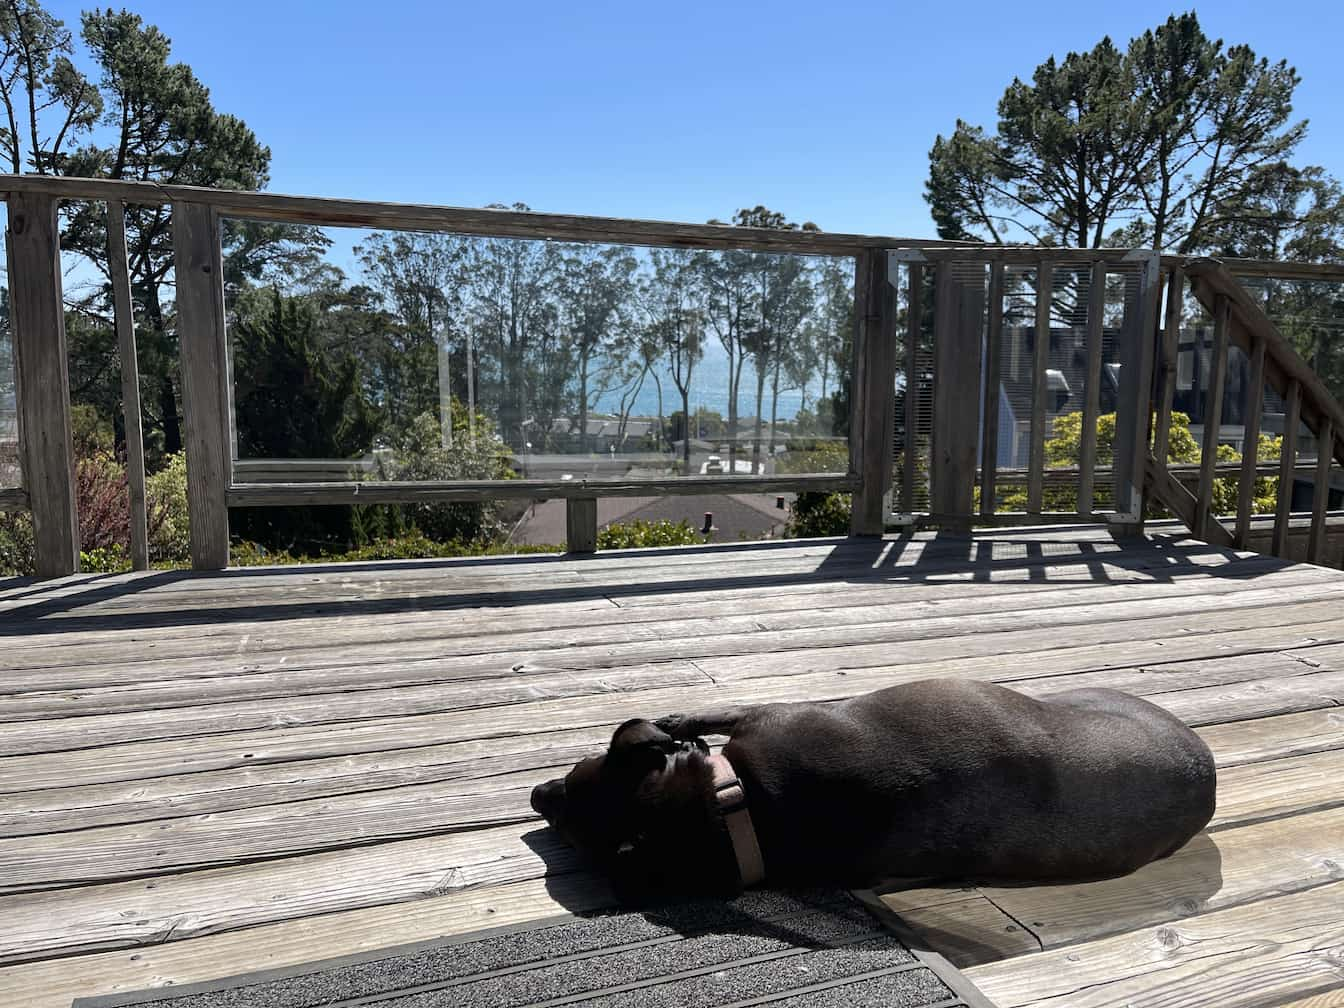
[{"x": 674, "y": 111}]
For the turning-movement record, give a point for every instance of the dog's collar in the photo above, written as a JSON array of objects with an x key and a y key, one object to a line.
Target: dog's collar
[{"x": 732, "y": 799}]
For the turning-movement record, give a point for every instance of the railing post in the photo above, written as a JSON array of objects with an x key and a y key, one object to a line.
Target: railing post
[
  {"x": 914, "y": 328},
  {"x": 581, "y": 525},
  {"x": 205, "y": 392},
  {"x": 43, "y": 381},
  {"x": 873, "y": 424},
  {"x": 1087, "y": 449},
  {"x": 989, "y": 410},
  {"x": 1213, "y": 416},
  {"x": 1040, "y": 361},
  {"x": 958, "y": 324},
  {"x": 124, "y": 313},
  {"x": 1250, "y": 443},
  {"x": 1134, "y": 409}
]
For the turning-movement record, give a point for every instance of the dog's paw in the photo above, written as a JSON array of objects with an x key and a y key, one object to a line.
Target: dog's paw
[{"x": 672, "y": 724}]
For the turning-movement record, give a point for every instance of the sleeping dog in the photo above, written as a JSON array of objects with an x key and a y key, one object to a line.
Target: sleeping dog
[{"x": 934, "y": 779}]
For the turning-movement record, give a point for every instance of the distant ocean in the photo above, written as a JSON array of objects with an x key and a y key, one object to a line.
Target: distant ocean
[{"x": 709, "y": 390}]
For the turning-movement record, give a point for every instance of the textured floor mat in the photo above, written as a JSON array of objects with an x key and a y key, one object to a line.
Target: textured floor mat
[{"x": 776, "y": 948}]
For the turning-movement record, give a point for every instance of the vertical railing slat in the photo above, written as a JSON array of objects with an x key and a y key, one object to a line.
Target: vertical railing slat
[
  {"x": 958, "y": 345},
  {"x": 1254, "y": 406},
  {"x": 1166, "y": 392},
  {"x": 1320, "y": 496},
  {"x": 989, "y": 437},
  {"x": 875, "y": 379},
  {"x": 124, "y": 315},
  {"x": 1040, "y": 360},
  {"x": 1287, "y": 468},
  {"x": 914, "y": 324},
  {"x": 205, "y": 396},
  {"x": 1134, "y": 409},
  {"x": 47, "y": 447},
  {"x": 1087, "y": 451},
  {"x": 1213, "y": 416}
]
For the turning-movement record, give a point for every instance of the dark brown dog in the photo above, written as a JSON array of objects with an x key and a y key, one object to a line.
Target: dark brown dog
[{"x": 939, "y": 778}]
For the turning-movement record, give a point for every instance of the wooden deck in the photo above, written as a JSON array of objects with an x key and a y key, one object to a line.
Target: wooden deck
[{"x": 209, "y": 774}]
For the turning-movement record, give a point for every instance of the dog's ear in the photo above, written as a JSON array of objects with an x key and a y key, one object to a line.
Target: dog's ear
[{"x": 640, "y": 746}]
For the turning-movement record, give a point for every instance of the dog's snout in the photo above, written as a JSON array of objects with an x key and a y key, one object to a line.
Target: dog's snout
[{"x": 548, "y": 800}]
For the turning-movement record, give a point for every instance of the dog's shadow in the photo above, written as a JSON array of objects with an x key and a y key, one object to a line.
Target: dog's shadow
[
  {"x": 802, "y": 918},
  {"x": 970, "y": 921},
  {"x": 1178, "y": 886}
]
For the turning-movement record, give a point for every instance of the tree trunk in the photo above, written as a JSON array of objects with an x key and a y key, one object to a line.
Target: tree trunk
[
  {"x": 756, "y": 429},
  {"x": 167, "y": 395},
  {"x": 658, "y": 438},
  {"x": 686, "y": 429},
  {"x": 774, "y": 408},
  {"x": 583, "y": 403}
]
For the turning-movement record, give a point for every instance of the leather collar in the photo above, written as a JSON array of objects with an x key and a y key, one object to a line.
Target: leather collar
[{"x": 732, "y": 799}]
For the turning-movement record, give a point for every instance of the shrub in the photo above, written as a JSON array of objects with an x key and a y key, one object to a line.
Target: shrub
[
  {"x": 412, "y": 545},
  {"x": 422, "y": 455},
  {"x": 632, "y": 535},
  {"x": 103, "y": 504},
  {"x": 1065, "y": 446},
  {"x": 818, "y": 514},
  {"x": 113, "y": 559},
  {"x": 245, "y": 553},
  {"x": 18, "y": 556},
  {"x": 810, "y": 455},
  {"x": 169, "y": 526}
]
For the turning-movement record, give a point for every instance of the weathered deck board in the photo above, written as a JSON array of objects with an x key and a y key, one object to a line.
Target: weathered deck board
[
  {"x": 138, "y": 799},
  {"x": 1254, "y": 956},
  {"x": 1233, "y": 868},
  {"x": 242, "y": 769},
  {"x": 290, "y": 695},
  {"x": 373, "y": 642},
  {"x": 247, "y": 748}
]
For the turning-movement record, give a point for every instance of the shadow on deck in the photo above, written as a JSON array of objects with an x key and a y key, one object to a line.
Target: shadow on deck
[{"x": 206, "y": 774}]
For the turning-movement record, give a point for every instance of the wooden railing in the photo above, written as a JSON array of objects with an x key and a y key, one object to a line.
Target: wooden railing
[
  {"x": 967, "y": 329},
  {"x": 919, "y": 306},
  {"x": 967, "y": 334},
  {"x": 1240, "y": 322},
  {"x": 47, "y": 458}
]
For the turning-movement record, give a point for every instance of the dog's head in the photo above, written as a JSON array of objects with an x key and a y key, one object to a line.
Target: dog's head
[{"x": 643, "y": 812}]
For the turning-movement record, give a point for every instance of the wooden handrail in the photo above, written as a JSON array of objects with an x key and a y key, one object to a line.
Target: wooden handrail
[
  {"x": 1240, "y": 320},
  {"x": 325, "y": 211}
]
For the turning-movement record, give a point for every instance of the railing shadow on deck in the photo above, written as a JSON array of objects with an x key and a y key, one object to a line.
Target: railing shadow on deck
[{"x": 905, "y": 559}]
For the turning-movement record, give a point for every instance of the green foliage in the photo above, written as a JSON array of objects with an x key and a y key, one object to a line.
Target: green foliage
[
  {"x": 1064, "y": 449},
  {"x": 818, "y": 514},
  {"x": 166, "y": 499},
  {"x": 413, "y": 545},
  {"x": 421, "y": 454},
  {"x": 18, "y": 553},
  {"x": 1173, "y": 143},
  {"x": 113, "y": 559},
  {"x": 91, "y": 433},
  {"x": 293, "y": 400},
  {"x": 246, "y": 553},
  {"x": 641, "y": 533},
  {"x": 814, "y": 456}
]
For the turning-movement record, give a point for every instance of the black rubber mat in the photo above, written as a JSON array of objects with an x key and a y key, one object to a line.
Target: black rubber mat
[{"x": 776, "y": 948}]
